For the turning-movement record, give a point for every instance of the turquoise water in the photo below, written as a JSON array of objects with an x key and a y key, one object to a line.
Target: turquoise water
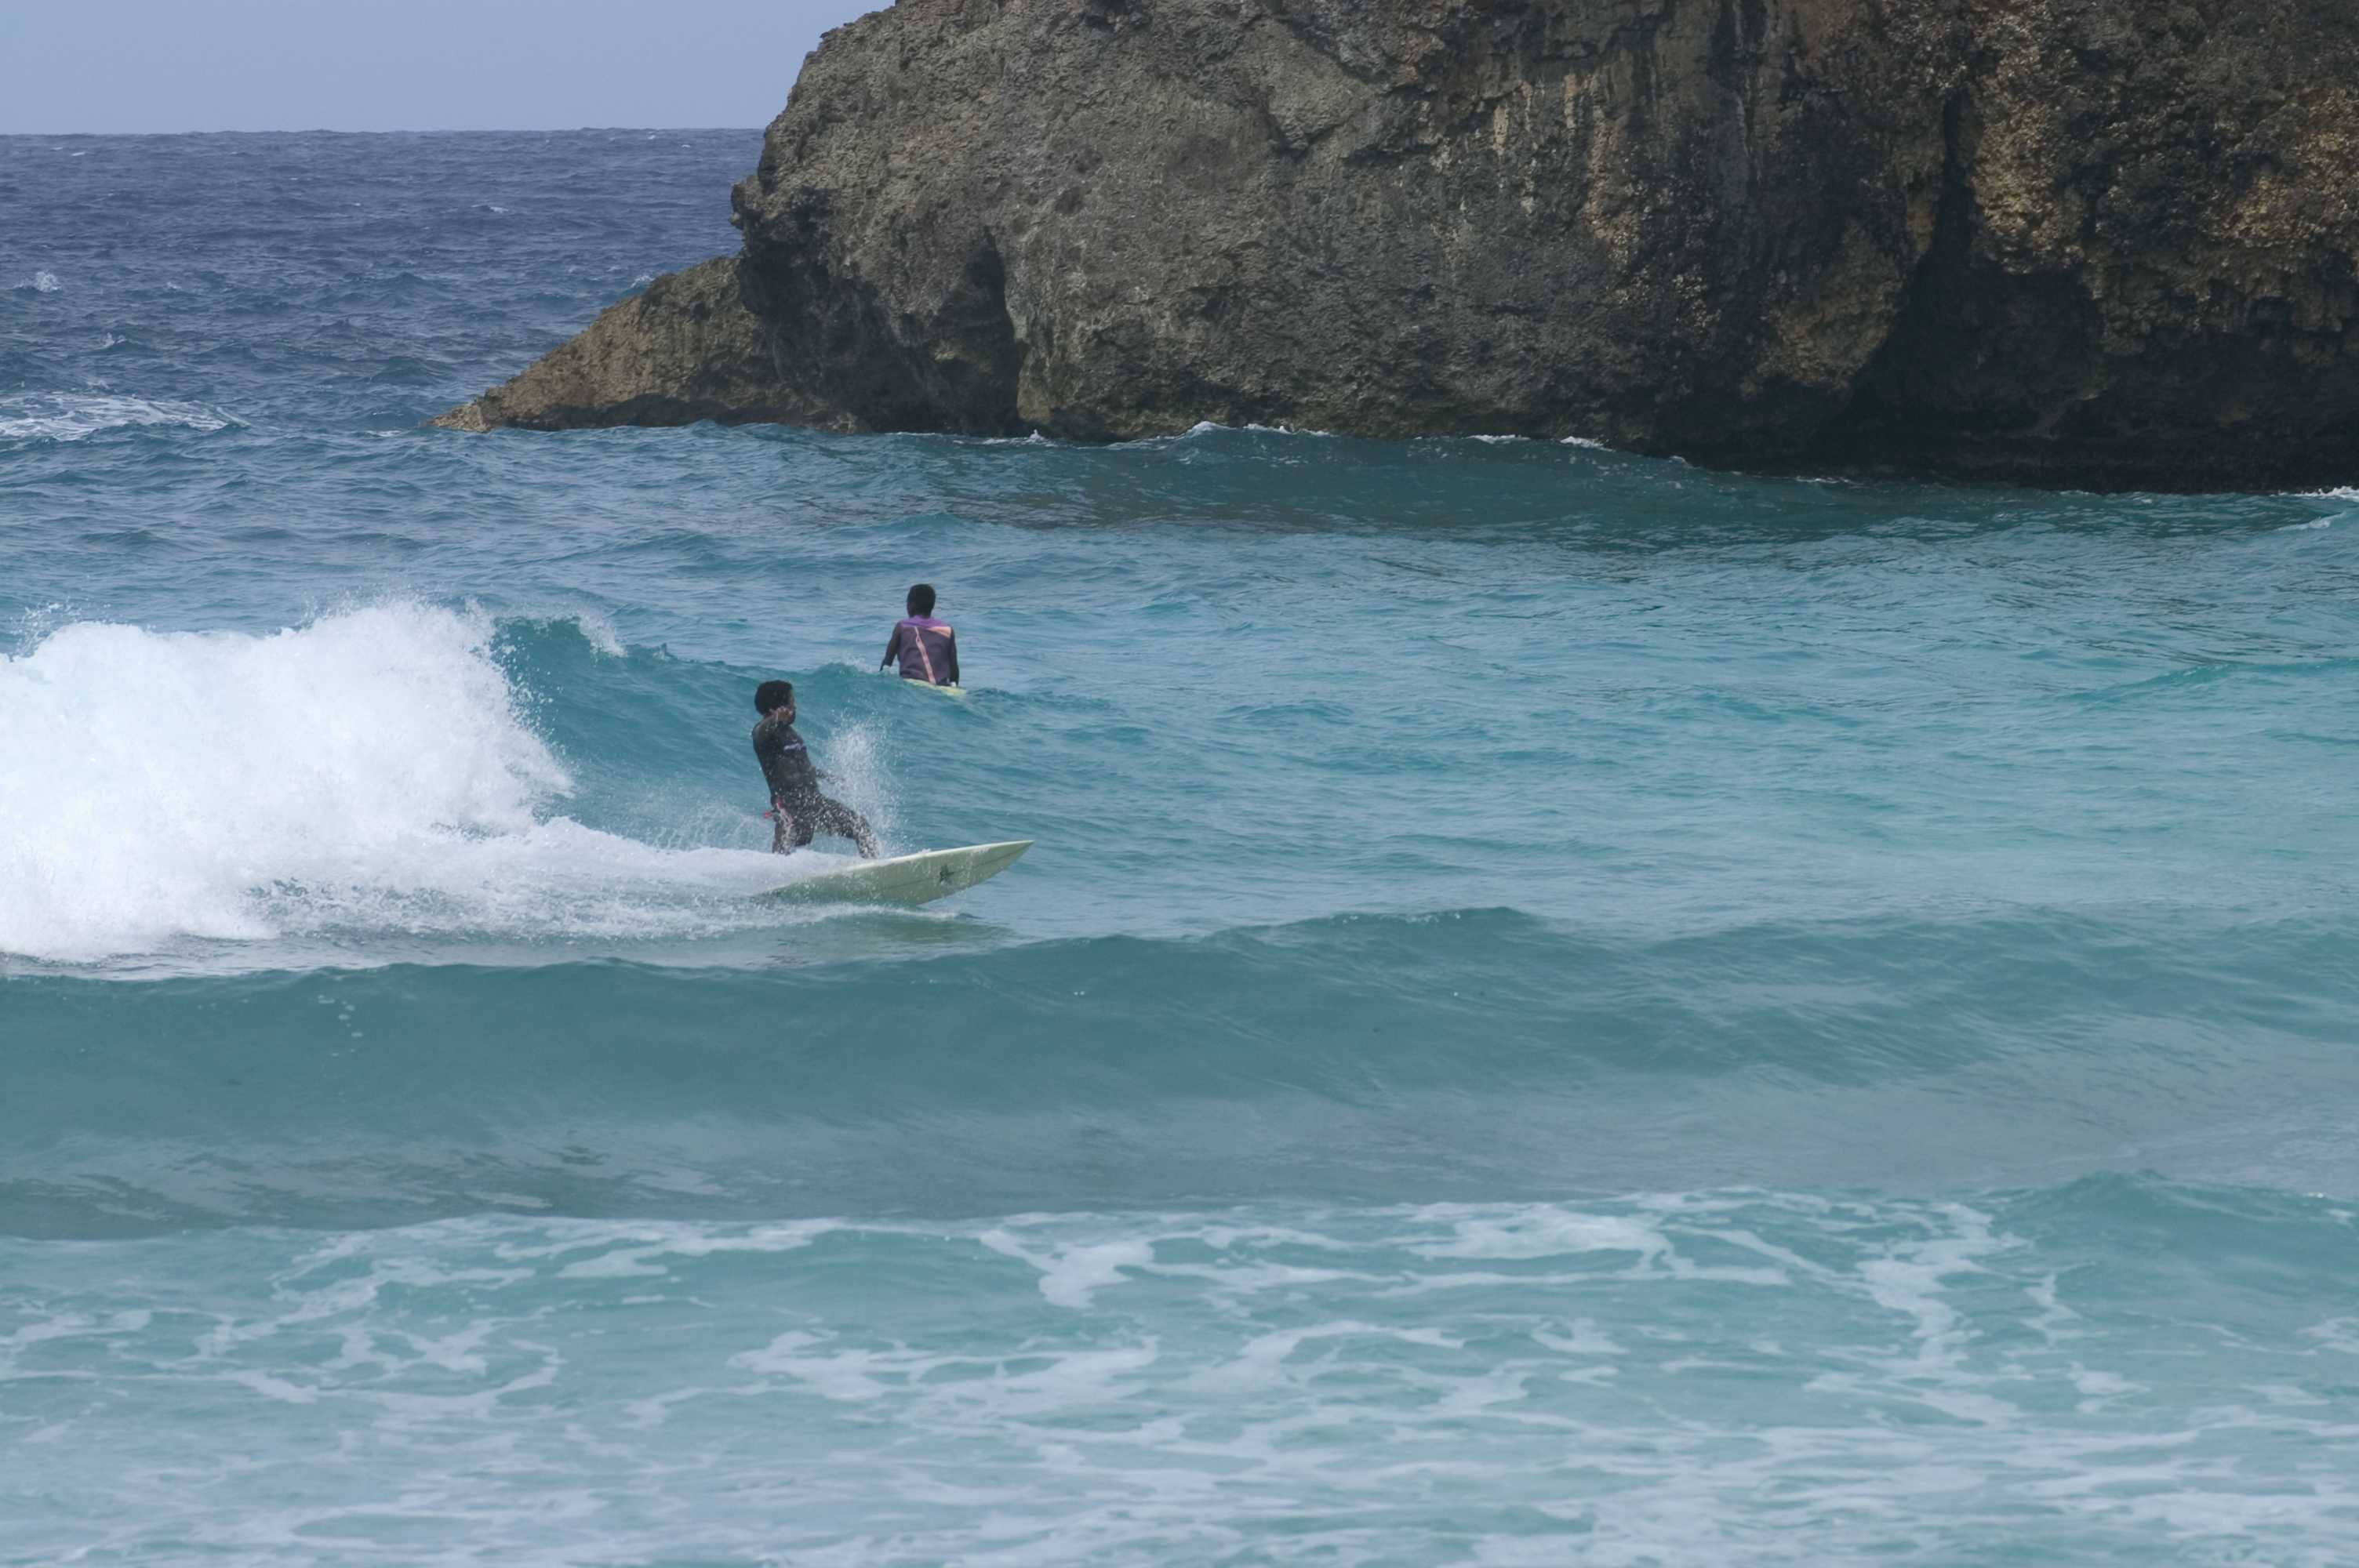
[{"x": 1568, "y": 1009}]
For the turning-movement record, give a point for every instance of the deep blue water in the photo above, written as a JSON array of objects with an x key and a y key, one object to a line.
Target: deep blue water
[{"x": 1568, "y": 1009}]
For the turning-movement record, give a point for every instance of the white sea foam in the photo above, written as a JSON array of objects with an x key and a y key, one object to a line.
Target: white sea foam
[
  {"x": 2337, "y": 498},
  {"x": 369, "y": 770},
  {"x": 70, "y": 417},
  {"x": 1912, "y": 1279},
  {"x": 1208, "y": 426},
  {"x": 43, "y": 281},
  {"x": 2340, "y": 1335},
  {"x": 155, "y": 786},
  {"x": 599, "y": 632},
  {"x": 1070, "y": 1276},
  {"x": 1545, "y": 1233},
  {"x": 851, "y": 1391}
]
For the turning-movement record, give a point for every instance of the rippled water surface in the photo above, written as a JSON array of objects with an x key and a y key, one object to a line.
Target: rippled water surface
[{"x": 1568, "y": 1009}]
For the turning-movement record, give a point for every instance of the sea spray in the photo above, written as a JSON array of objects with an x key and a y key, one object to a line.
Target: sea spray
[
  {"x": 162, "y": 785},
  {"x": 861, "y": 777},
  {"x": 376, "y": 770}
]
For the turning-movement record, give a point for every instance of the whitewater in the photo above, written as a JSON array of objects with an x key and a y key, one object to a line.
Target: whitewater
[{"x": 1567, "y": 1008}]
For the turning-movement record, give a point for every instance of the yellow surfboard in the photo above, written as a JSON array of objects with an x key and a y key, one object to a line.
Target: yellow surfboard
[{"x": 927, "y": 686}]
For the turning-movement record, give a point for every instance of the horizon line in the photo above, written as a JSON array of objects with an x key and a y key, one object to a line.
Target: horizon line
[{"x": 390, "y": 131}]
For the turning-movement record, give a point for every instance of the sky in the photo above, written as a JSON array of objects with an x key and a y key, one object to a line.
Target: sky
[{"x": 401, "y": 65}]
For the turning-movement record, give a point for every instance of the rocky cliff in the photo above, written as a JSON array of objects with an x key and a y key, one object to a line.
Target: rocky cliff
[{"x": 2097, "y": 241}]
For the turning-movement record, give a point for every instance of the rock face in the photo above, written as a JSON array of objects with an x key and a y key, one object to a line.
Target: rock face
[
  {"x": 686, "y": 350},
  {"x": 2096, "y": 241}
]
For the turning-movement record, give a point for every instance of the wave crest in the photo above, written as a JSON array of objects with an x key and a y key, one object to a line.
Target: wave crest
[
  {"x": 71, "y": 416},
  {"x": 157, "y": 785}
]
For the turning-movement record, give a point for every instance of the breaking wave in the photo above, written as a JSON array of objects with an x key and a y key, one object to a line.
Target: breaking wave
[{"x": 374, "y": 769}]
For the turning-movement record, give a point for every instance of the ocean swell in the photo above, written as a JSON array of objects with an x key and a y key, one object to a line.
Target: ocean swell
[{"x": 897, "y": 1063}]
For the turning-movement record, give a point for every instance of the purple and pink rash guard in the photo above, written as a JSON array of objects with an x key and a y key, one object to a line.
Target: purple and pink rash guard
[{"x": 921, "y": 641}]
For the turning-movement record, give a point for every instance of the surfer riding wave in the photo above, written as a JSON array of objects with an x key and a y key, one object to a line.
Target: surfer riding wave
[{"x": 798, "y": 810}]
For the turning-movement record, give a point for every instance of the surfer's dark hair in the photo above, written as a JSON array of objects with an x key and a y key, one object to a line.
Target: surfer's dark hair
[
  {"x": 921, "y": 600},
  {"x": 773, "y": 694}
]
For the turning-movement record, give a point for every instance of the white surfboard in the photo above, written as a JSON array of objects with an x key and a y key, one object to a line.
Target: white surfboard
[{"x": 920, "y": 878}]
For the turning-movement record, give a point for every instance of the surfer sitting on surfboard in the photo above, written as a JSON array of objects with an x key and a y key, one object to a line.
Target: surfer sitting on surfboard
[
  {"x": 927, "y": 648},
  {"x": 800, "y": 812}
]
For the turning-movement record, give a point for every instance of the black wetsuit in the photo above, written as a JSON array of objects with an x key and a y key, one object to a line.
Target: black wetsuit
[{"x": 801, "y": 811}]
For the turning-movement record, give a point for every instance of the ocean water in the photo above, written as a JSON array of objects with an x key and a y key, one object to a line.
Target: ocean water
[{"x": 1568, "y": 1009}]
